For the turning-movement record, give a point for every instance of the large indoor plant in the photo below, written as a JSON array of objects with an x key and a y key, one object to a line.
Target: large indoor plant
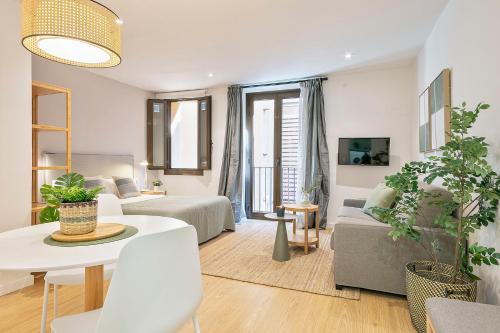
[
  {"x": 460, "y": 166},
  {"x": 70, "y": 203}
]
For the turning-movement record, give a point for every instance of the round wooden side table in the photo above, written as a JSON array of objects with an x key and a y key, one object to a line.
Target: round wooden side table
[
  {"x": 305, "y": 239},
  {"x": 281, "y": 251}
]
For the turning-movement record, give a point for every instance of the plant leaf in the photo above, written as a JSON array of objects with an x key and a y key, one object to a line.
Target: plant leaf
[{"x": 49, "y": 214}]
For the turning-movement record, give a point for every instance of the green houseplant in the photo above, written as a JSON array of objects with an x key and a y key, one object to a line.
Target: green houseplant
[
  {"x": 307, "y": 191},
  {"x": 70, "y": 203},
  {"x": 462, "y": 169},
  {"x": 156, "y": 184}
]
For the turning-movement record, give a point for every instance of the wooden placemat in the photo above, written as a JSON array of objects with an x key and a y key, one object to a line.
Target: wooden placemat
[
  {"x": 128, "y": 232},
  {"x": 103, "y": 230}
]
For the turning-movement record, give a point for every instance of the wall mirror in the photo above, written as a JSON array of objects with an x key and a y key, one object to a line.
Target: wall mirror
[{"x": 179, "y": 135}]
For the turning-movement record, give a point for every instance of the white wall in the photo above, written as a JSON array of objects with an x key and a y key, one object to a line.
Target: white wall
[
  {"x": 374, "y": 101},
  {"x": 370, "y": 102},
  {"x": 108, "y": 117},
  {"x": 465, "y": 39},
  {"x": 208, "y": 183},
  {"x": 15, "y": 133}
]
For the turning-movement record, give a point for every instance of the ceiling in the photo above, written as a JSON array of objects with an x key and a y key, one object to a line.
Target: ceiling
[{"x": 173, "y": 45}]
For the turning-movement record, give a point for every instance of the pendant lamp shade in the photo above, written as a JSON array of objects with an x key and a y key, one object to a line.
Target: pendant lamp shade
[{"x": 75, "y": 32}]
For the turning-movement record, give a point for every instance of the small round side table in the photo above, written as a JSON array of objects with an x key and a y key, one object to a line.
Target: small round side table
[
  {"x": 281, "y": 252},
  {"x": 306, "y": 239}
]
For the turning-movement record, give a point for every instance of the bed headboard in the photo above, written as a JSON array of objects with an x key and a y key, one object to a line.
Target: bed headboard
[{"x": 90, "y": 165}]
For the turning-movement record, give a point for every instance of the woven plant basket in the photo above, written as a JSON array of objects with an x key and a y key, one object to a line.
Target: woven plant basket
[
  {"x": 426, "y": 279},
  {"x": 78, "y": 218}
]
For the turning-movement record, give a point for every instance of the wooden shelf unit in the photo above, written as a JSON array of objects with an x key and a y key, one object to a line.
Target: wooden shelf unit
[
  {"x": 39, "y": 89},
  {"x": 36, "y": 207},
  {"x": 48, "y": 128},
  {"x": 51, "y": 167}
]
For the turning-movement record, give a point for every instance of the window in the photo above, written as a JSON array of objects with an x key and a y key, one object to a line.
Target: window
[{"x": 179, "y": 135}]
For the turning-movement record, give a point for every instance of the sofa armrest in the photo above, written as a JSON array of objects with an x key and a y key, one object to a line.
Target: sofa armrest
[{"x": 356, "y": 203}]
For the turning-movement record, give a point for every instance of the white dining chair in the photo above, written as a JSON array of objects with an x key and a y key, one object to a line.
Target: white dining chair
[
  {"x": 107, "y": 205},
  {"x": 156, "y": 287}
]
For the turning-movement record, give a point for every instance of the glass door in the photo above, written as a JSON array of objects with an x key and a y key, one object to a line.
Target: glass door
[{"x": 273, "y": 124}]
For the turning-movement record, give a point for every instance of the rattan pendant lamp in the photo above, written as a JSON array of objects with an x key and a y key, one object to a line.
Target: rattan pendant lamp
[{"x": 75, "y": 32}]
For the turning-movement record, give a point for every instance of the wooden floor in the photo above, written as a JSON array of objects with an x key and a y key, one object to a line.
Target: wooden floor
[{"x": 233, "y": 306}]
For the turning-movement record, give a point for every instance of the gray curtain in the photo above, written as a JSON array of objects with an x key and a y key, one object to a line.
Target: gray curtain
[
  {"x": 315, "y": 159},
  {"x": 230, "y": 175}
]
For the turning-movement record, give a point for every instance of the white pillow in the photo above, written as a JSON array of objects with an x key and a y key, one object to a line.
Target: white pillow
[{"x": 108, "y": 184}]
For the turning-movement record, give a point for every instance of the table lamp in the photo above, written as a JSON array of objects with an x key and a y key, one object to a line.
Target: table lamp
[{"x": 145, "y": 165}]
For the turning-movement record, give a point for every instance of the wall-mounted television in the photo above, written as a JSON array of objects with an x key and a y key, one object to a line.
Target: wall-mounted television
[{"x": 364, "y": 151}]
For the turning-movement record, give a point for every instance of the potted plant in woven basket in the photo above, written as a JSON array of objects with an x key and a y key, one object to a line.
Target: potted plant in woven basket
[
  {"x": 462, "y": 169},
  {"x": 70, "y": 203}
]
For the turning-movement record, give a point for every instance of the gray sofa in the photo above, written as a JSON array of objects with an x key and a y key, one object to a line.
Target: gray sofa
[{"x": 366, "y": 257}]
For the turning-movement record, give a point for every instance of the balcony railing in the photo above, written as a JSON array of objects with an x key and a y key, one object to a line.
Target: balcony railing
[
  {"x": 263, "y": 187},
  {"x": 289, "y": 178}
]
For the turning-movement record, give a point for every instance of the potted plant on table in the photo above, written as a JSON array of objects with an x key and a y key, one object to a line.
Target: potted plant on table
[
  {"x": 156, "y": 185},
  {"x": 307, "y": 191},
  {"x": 464, "y": 172},
  {"x": 70, "y": 203}
]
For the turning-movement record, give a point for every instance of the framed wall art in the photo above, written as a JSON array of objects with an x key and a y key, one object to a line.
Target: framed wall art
[{"x": 434, "y": 113}]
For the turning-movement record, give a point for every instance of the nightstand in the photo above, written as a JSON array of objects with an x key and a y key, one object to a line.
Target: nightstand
[{"x": 153, "y": 192}]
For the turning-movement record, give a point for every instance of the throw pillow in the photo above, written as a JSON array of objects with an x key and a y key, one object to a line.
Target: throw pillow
[
  {"x": 108, "y": 184},
  {"x": 126, "y": 187},
  {"x": 381, "y": 197}
]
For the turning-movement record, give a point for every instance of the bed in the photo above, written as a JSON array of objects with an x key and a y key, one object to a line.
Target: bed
[{"x": 210, "y": 215}]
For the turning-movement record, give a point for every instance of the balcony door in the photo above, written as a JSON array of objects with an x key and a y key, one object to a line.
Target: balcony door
[{"x": 273, "y": 150}]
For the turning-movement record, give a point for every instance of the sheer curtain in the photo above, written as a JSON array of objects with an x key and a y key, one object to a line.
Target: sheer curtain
[
  {"x": 314, "y": 168},
  {"x": 230, "y": 182}
]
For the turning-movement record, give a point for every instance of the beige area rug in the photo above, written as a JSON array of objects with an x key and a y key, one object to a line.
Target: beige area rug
[{"x": 246, "y": 255}]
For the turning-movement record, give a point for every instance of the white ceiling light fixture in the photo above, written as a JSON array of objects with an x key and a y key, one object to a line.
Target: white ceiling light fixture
[
  {"x": 74, "y": 32},
  {"x": 210, "y": 74},
  {"x": 348, "y": 55}
]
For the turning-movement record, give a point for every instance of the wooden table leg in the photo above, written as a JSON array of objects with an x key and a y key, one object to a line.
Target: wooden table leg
[
  {"x": 94, "y": 284},
  {"x": 317, "y": 228},
  {"x": 306, "y": 237},
  {"x": 295, "y": 223}
]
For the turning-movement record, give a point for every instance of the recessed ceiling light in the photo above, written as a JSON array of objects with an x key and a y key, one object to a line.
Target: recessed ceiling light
[
  {"x": 210, "y": 74},
  {"x": 348, "y": 55},
  {"x": 119, "y": 21}
]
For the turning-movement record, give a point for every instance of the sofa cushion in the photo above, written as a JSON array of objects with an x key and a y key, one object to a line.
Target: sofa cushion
[
  {"x": 366, "y": 222},
  {"x": 358, "y": 203},
  {"x": 353, "y": 212},
  {"x": 382, "y": 196},
  {"x": 429, "y": 211},
  {"x": 453, "y": 316},
  {"x": 370, "y": 222}
]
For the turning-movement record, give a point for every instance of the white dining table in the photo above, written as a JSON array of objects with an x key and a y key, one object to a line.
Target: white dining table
[{"x": 24, "y": 250}]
